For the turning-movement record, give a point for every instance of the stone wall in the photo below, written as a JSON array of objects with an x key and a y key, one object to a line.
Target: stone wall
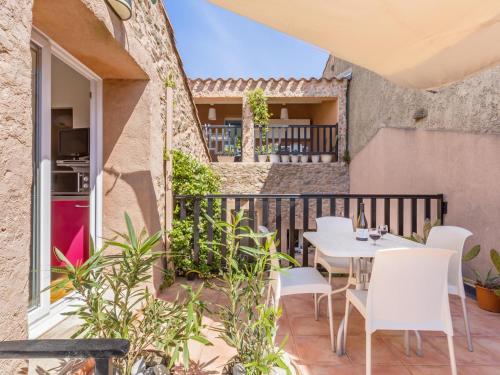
[
  {"x": 15, "y": 171},
  {"x": 471, "y": 105},
  {"x": 282, "y": 178}
]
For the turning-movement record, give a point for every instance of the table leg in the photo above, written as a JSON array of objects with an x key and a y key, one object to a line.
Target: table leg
[{"x": 340, "y": 333}]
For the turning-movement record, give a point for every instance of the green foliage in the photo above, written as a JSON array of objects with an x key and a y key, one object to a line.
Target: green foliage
[
  {"x": 114, "y": 302},
  {"x": 170, "y": 81},
  {"x": 249, "y": 324},
  {"x": 492, "y": 279},
  {"x": 425, "y": 230},
  {"x": 264, "y": 149},
  {"x": 260, "y": 110},
  {"x": 346, "y": 158},
  {"x": 190, "y": 177}
]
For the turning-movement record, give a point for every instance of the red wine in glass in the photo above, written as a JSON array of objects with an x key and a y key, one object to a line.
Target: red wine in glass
[{"x": 374, "y": 235}]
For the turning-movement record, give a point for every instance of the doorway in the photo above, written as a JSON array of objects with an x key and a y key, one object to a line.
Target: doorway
[{"x": 67, "y": 167}]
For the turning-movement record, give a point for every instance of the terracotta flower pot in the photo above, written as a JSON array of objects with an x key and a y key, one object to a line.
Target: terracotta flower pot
[{"x": 487, "y": 299}]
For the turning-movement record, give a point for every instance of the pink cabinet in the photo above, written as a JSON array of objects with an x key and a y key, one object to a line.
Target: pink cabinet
[{"x": 70, "y": 229}]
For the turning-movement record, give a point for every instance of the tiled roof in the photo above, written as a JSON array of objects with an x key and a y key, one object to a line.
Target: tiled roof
[{"x": 235, "y": 85}]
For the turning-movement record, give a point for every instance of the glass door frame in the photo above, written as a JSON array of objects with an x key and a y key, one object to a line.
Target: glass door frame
[{"x": 45, "y": 315}]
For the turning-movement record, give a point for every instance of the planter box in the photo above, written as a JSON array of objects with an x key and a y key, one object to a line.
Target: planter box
[
  {"x": 285, "y": 158},
  {"x": 304, "y": 158},
  {"x": 262, "y": 158},
  {"x": 274, "y": 158},
  {"x": 295, "y": 158},
  {"x": 315, "y": 158},
  {"x": 326, "y": 158}
]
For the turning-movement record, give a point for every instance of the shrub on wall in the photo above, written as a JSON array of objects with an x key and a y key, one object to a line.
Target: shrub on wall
[
  {"x": 191, "y": 177},
  {"x": 258, "y": 105}
]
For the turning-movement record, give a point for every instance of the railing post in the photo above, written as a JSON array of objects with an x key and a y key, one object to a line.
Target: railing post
[
  {"x": 196, "y": 230},
  {"x": 103, "y": 366},
  {"x": 305, "y": 227}
]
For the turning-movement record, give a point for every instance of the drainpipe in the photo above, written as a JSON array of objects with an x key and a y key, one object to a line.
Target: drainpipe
[{"x": 348, "y": 76}]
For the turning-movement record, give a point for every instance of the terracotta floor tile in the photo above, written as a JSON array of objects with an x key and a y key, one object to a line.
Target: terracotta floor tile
[
  {"x": 381, "y": 352},
  {"x": 307, "y": 326},
  {"x": 490, "y": 344},
  {"x": 429, "y": 370},
  {"x": 432, "y": 356},
  {"x": 331, "y": 370},
  {"x": 317, "y": 351},
  {"x": 479, "y": 370}
]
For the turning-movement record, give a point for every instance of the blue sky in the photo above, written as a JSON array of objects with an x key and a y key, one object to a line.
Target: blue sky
[{"x": 214, "y": 42}]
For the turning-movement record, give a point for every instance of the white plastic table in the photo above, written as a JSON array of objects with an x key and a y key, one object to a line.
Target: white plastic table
[{"x": 346, "y": 246}]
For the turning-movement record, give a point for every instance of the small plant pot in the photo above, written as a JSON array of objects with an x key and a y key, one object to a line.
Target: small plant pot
[
  {"x": 487, "y": 299},
  {"x": 315, "y": 158},
  {"x": 225, "y": 159},
  {"x": 285, "y": 158},
  {"x": 274, "y": 158},
  {"x": 304, "y": 158},
  {"x": 295, "y": 158},
  {"x": 326, "y": 158},
  {"x": 262, "y": 158}
]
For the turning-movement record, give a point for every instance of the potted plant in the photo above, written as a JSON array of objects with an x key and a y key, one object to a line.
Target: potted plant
[
  {"x": 315, "y": 158},
  {"x": 274, "y": 156},
  {"x": 248, "y": 321},
  {"x": 112, "y": 300},
  {"x": 488, "y": 286},
  {"x": 262, "y": 153},
  {"x": 295, "y": 156},
  {"x": 229, "y": 155}
]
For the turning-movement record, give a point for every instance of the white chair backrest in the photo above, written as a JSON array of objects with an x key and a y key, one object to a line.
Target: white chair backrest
[
  {"x": 451, "y": 238},
  {"x": 408, "y": 290},
  {"x": 334, "y": 224}
]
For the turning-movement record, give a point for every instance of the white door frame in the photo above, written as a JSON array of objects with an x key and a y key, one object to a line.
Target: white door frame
[{"x": 46, "y": 315}]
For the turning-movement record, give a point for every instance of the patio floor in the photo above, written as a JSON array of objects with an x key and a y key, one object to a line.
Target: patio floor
[{"x": 308, "y": 342}]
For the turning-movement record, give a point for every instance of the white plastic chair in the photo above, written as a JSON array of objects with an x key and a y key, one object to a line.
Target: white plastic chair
[
  {"x": 334, "y": 225},
  {"x": 299, "y": 280},
  {"x": 407, "y": 291},
  {"x": 453, "y": 238}
]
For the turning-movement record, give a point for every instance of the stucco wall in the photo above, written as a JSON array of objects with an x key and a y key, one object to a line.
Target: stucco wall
[
  {"x": 463, "y": 166},
  {"x": 471, "y": 105},
  {"x": 15, "y": 170}
]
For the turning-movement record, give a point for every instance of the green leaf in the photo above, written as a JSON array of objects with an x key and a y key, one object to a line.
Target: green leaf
[
  {"x": 472, "y": 253},
  {"x": 495, "y": 259},
  {"x": 63, "y": 259},
  {"x": 131, "y": 231}
]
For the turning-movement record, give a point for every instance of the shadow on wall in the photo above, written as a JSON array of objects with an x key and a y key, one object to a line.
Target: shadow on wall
[
  {"x": 141, "y": 183},
  {"x": 121, "y": 98},
  {"x": 129, "y": 184}
]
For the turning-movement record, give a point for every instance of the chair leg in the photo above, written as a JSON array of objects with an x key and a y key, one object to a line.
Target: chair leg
[
  {"x": 316, "y": 307},
  {"x": 451, "y": 349},
  {"x": 407, "y": 343},
  {"x": 346, "y": 321},
  {"x": 419, "y": 344},
  {"x": 329, "y": 278},
  {"x": 369, "y": 354},
  {"x": 330, "y": 318},
  {"x": 467, "y": 327}
]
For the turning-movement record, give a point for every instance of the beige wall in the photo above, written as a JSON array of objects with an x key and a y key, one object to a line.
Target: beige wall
[
  {"x": 15, "y": 171},
  {"x": 465, "y": 167},
  {"x": 471, "y": 105},
  {"x": 223, "y": 111}
]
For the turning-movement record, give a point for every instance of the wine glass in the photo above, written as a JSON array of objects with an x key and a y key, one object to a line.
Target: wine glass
[
  {"x": 374, "y": 234},
  {"x": 383, "y": 229}
]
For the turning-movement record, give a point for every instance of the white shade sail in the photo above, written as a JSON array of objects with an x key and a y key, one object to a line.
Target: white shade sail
[{"x": 415, "y": 43}]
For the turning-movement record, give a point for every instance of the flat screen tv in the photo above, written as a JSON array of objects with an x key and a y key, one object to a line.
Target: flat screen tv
[{"x": 73, "y": 142}]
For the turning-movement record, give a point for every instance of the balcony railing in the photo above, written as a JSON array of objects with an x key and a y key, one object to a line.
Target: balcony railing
[
  {"x": 223, "y": 140},
  {"x": 297, "y": 140},
  {"x": 291, "y": 214}
]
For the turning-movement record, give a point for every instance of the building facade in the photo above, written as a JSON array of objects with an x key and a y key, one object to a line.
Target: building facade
[{"x": 89, "y": 107}]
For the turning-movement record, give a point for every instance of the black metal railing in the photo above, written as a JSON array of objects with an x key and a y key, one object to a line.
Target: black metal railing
[
  {"x": 223, "y": 140},
  {"x": 297, "y": 139},
  {"x": 102, "y": 350},
  {"x": 291, "y": 214}
]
